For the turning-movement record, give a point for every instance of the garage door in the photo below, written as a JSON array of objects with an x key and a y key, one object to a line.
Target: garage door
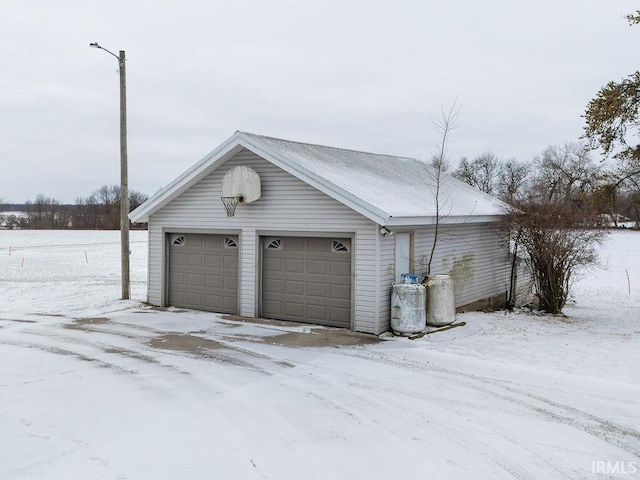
[
  {"x": 203, "y": 272},
  {"x": 307, "y": 280}
]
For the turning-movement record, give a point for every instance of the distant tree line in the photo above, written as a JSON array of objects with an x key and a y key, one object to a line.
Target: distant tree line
[
  {"x": 564, "y": 174},
  {"x": 99, "y": 211}
]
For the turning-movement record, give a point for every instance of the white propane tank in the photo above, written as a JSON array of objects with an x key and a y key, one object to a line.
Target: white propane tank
[
  {"x": 441, "y": 304},
  {"x": 407, "y": 308}
]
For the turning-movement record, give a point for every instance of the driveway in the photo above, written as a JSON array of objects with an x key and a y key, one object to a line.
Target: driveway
[{"x": 145, "y": 393}]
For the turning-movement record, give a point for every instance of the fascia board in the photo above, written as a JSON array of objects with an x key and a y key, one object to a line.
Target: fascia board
[
  {"x": 295, "y": 169},
  {"x": 185, "y": 181},
  {"x": 416, "y": 221}
]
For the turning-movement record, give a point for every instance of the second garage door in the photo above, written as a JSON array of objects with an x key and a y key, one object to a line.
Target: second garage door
[
  {"x": 203, "y": 272},
  {"x": 307, "y": 280}
]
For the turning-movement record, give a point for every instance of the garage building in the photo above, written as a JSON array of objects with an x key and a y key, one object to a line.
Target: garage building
[{"x": 318, "y": 235}]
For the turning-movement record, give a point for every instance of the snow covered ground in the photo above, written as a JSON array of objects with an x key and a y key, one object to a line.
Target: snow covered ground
[{"x": 95, "y": 387}]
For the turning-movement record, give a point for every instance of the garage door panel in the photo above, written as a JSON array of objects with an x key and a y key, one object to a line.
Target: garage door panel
[
  {"x": 341, "y": 292},
  {"x": 341, "y": 268},
  {"x": 317, "y": 313},
  {"x": 203, "y": 272},
  {"x": 177, "y": 258},
  {"x": 317, "y": 245},
  {"x": 195, "y": 280},
  {"x": 194, "y": 298},
  {"x": 229, "y": 303},
  {"x": 340, "y": 315},
  {"x": 294, "y": 265},
  {"x": 212, "y": 261},
  {"x": 269, "y": 306},
  {"x": 212, "y": 281},
  {"x": 273, "y": 264},
  {"x": 176, "y": 298},
  {"x": 305, "y": 279},
  {"x": 218, "y": 304},
  {"x": 230, "y": 282},
  {"x": 194, "y": 260},
  {"x": 274, "y": 288},
  {"x": 177, "y": 278},
  {"x": 193, "y": 241},
  {"x": 318, "y": 267},
  {"x": 230, "y": 262},
  {"x": 317, "y": 289},
  {"x": 295, "y": 244},
  {"x": 294, "y": 309},
  {"x": 293, "y": 287},
  {"x": 212, "y": 241},
  {"x": 341, "y": 281}
]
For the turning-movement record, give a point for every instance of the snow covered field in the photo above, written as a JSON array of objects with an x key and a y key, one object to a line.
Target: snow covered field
[{"x": 95, "y": 387}]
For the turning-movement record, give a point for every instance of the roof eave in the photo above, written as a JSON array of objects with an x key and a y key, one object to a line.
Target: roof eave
[
  {"x": 186, "y": 180},
  {"x": 449, "y": 220}
]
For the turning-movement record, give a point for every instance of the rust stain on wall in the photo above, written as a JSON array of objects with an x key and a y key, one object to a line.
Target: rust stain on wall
[{"x": 461, "y": 272}]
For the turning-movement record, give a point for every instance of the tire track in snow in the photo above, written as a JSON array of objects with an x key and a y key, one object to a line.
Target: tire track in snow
[
  {"x": 314, "y": 382},
  {"x": 363, "y": 402},
  {"x": 609, "y": 431},
  {"x": 141, "y": 358}
]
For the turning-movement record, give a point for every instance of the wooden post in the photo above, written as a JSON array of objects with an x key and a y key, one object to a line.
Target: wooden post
[
  {"x": 628, "y": 282},
  {"x": 124, "y": 182}
]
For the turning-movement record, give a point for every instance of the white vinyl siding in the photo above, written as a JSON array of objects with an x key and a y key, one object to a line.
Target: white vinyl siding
[
  {"x": 287, "y": 206},
  {"x": 472, "y": 254},
  {"x": 365, "y": 279},
  {"x": 248, "y": 248},
  {"x": 155, "y": 280},
  {"x": 386, "y": 275}
]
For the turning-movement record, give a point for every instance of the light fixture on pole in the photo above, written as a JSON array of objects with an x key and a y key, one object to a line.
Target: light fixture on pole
[{"x": 124, "y": 182}]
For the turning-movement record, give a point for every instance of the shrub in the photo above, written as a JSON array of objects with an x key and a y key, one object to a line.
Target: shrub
[{"x": 555, "y": 239}]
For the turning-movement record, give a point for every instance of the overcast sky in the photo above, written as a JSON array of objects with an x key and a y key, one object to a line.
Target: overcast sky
[{"x": 366, "y": 75}]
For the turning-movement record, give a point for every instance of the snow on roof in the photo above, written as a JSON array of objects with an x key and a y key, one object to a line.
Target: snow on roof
[{"x": 389, "y": 190}]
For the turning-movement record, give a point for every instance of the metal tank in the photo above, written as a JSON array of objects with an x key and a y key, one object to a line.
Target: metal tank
[
  {"x": 408, "y": 314},
  {"x": 441, "y": 305}
]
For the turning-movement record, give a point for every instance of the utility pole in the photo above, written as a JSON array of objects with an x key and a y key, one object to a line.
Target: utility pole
[{"x": 124, "y": 182}]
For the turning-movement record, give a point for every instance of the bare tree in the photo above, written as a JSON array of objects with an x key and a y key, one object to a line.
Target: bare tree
[
  {"x": 108, "y": 196},
  {"x": 136, "y": 199},
  {"x": 604, "y": 200},
  {"x": 483, "y": 172},
  {"x": 629, "y": 199},
  {"x": 626, "y": 178},
  {"x": 444, "y": 126},
  {"x": 507, "y": 179},
  {"x": 514, "y": 180},
  {"x": 45, "y": 213},
  {"x": 565, "y": 174},
  {"x": 87, "y": 214}
]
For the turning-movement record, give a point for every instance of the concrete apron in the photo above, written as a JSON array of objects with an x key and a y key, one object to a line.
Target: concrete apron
[{"x": 316, "y": 336}]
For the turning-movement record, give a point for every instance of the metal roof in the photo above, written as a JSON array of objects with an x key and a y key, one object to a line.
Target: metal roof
[{"x": 387, "y": 189}]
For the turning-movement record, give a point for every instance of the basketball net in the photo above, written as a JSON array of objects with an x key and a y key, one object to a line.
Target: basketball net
[{"x": 230, "y": 204}]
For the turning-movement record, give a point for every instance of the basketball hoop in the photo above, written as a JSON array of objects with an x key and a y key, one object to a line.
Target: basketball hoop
[
  {"x": 239, "y": 185},
  {"x": 230, "y": 204}
]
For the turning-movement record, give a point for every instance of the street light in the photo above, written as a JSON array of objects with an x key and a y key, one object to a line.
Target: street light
[{"x": 124, "y": 183}]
